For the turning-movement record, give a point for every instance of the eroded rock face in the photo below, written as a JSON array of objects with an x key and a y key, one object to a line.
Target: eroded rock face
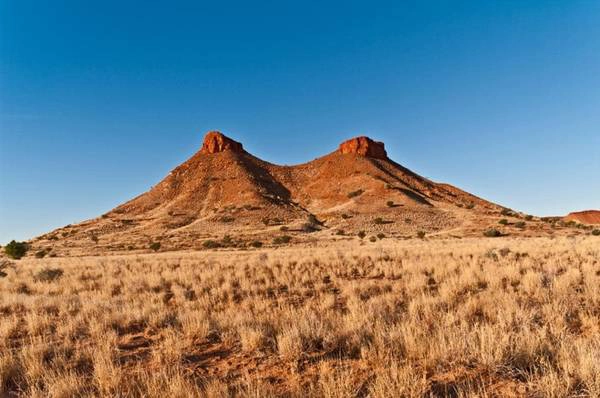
[
  {"x": 585, "y": 217},
  {"x": 364, "y": 146},
  {"x": 215, "y": 141}
]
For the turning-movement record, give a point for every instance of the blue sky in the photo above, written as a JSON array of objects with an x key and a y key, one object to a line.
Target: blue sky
[{"x": 99, "y": 101}]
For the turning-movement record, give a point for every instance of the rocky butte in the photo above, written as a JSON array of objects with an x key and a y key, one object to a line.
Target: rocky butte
[
  {"x": 364, "y": 146},
  {"x": 215, "y": 142}
]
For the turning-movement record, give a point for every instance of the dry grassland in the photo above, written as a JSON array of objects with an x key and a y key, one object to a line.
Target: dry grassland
[{"x": 460, "y": 318}]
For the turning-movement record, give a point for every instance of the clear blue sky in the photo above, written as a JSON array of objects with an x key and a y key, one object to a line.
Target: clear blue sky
[{"x": 99, "y": 100}]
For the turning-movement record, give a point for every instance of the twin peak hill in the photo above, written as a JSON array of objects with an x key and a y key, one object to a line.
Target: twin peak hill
[{"x": 225, "y": 194}]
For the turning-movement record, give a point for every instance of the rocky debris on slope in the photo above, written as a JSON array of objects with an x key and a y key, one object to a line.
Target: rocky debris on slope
[
  {"x": 215, "y": 141},
  {"x": 585, "y": 217},
  {"x": 364, "y": 146}
]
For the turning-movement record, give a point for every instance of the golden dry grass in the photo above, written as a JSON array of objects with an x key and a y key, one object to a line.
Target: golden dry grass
[{"x": 463, "y": 318}]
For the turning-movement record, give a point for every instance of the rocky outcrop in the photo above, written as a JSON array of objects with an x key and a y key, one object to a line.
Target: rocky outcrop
[
  {"x": 215, "y": 142},
  {"x": 364, "y": 146},
  {"x": 585, "y": 217}
]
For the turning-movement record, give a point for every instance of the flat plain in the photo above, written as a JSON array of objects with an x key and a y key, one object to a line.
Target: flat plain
[{"x": 484, "y": 317}]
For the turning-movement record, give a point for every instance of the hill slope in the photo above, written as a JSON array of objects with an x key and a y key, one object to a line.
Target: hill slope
[{"x": 224, "y": 191}]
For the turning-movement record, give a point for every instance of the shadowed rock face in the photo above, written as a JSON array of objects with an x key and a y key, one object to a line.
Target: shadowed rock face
[
  {"x": 215, "y": 142},
  {"x": 364, "y": 146}
]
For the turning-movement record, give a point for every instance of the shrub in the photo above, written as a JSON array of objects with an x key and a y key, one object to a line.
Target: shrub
[
  {"x": 284, "y": 228},
  {"x": 421, "y": 234},
  {"x": 308, "y": 227},
  {"x": 227, "y": 219},
  {"x": 16, "y": 250},
  {"x": 380, "y": 235},
  {"x": 282, "y": 239},
  {"x": 211, "y": 244},
  {"x": 390, "y": 203},
  {"x": 361, "y": 234},
  {"x": 345, "y": 216},
  {"x": 373, "y": 239},
  {"x": 529, "y": 217},
  {"x": 506, "y": 212},
  {"x": 227, "y": 240},
  {"x": 492, "y": 233},
  {"x": 340, "y": 232},
  {"x": 520, "y": 224},
  {"x": 379, "y": 221},
  {"x": 470, "y": 206},
  {"x": 256, "y": 243},
  {"x": 266, "y": 221},
  {"x": 48, "y": 275},
  {"x": 155, "y": 246},
  {"x": 356, "y": 193},
  {"x": 41, "y": 253},
  {"x": 94, "y": 238},
  {"x": 596, "y": 232},
  {"x": 504, "y": 221}
]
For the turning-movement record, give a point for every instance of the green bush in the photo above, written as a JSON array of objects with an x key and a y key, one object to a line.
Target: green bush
[
  {"x": 256, "y": 244},
  {"x": 155, "y": 246},
  {"x": 16, "y": 250},
  {"x": 421, "y": 234},
  {"x": 504, "y": 221},
  {"x": 361, "y": 234},
  {"x": 356, "y": 193},
  {"x": 506, "y": 212},
  {"x": 596, "y": 232},
  {"x": 379, "y": 221},
  {"x": 390, "y": 203},
  {"x": 227, "y": 219},
  {"x": 41, "y": 253},
  {"x": 492, "y": 233},
  {"x": 470, "y": 206},
  {"x": 528, "y": 217},
  {"x": 520, "y": 224},
  {"x": 282, "y": 239},
  {"x": 373, "y": 239},
  {"x": 380, "y": 235},
  {"x": 211, "y": 244}
]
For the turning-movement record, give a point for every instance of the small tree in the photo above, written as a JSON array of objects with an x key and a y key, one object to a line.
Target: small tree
[{"x": 15, "y": 249}]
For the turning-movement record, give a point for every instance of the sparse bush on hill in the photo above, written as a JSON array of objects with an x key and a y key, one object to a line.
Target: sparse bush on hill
[
  {"x": 507, "y": 212},
  {"x": 528, "y": 217},
  {"x": 227, "y": 219},
  {"x": 227, "y": 240},
  {"x": 284, "y": 228},
  {"x": 340, "y": 232},
  {"x": 492, "y": 233},
  {"x": 373, "y": 239},
  {"x": 378, "y": 221},
  {"x": 380, "y": 235},
  {"x": 48, "y": 275},
  {"x": 470, "y": 206},
  {"x": 256, "y": 243},
  {"x": 282, "y": 239},
  {"x": 596, "y": 232},
  {"x": 94, "y": 238},
  {"x": 211, "y": 244},
  {"x": 16, "y": 250},
  {"x": 345, "y": 216},
  {"x": 41, "y": 253},
  {"x": 520, "y": 224},
  {"x": 155, "y": 246},
  {"x": 504, "y": 221},
  {"x": 421, "y": 234},
  {"x": 390, "y": 203},
  {"x": 265, "y": 221},
  {"x": 356, "y": 193},
  {"x": 361, "y": 234}
]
